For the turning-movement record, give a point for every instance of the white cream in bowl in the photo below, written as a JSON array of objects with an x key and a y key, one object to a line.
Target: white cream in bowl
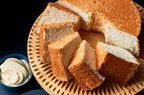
[{"x": 15, "y": 72}]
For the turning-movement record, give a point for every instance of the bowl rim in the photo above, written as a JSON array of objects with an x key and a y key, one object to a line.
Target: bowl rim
[{"x": 18, "y": 56}]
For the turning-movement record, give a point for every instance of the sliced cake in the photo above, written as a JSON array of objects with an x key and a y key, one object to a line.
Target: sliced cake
[
  {"x": 61, "y": 52},
  {"x": 83, "y": 67},
  {"x": 115, "y": 63},
  {"x": 81, "y": 8},
  {"x": 55, "y": 13},
  {"x": 50, "y": 33},
  {"x": 119, "y": 20}
]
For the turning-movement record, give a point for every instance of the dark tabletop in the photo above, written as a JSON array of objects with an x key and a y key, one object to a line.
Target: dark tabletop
[{"x": 16, "y": 20}]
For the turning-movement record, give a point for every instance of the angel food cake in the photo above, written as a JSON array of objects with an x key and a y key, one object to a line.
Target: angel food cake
[{"x": 71, "y": 58}]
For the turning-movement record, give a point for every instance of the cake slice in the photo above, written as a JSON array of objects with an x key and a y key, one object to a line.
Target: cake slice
[
  {"x": 50, "y": 33},
  {"x": 61, "y": 52},
  {"x": 115, "y": 63},
  {"x": 119, "y": 20},
  {"x": 83, "y": 67},
  {"x": 55, "y": 13},
  {"x": 81, "y": 8}
]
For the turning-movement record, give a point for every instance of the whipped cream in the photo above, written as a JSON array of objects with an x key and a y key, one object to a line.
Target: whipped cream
[{"x": 15, "y": 72}]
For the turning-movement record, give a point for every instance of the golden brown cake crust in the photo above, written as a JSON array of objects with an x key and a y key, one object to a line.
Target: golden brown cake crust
[
  {"x": 82, "y": 4},
  {"x": 42, "y": 49},
  {"x": 58, "y": 69},
  {"x": 117, "y": 69},
  {"x": 84, "y": 76}
]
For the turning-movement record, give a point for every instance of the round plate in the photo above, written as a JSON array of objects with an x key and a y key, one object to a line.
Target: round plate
[{"x": 45, "y": 77}]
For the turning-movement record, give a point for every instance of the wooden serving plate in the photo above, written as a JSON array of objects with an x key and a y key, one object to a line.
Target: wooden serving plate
[{"x": 45, "y": 77}]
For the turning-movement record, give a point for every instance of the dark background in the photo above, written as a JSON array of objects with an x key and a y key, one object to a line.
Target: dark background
[{"x": 16, "y": 20}]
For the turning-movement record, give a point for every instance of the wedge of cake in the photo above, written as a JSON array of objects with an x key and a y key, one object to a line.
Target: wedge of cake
[
  {"x": 61, "y": 52},
  {"x": 83, "y": 67},
  {"x": 55, "y": 13},
  {"x": 115, "y": 63},
  {"x": 50, "y": 33},
  {"x": 119, "y": 20}
]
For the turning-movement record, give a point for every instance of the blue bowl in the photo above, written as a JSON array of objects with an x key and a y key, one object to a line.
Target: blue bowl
[{"x": 27, "y": 81}]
